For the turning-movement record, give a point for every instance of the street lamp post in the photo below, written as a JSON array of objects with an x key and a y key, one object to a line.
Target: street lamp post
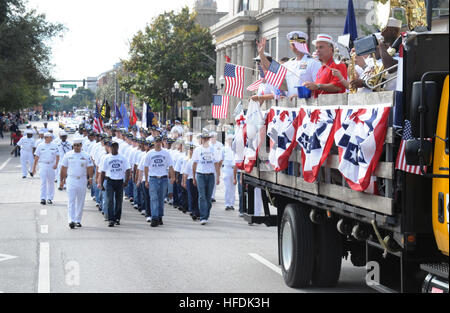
[
  {"x": 177, "y": 89},
  {"x": 185, "y": 88}
]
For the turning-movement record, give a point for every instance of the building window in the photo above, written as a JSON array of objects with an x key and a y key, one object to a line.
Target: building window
[
  {"x": 273, "y": 47},
  {"x": 243, "y": 5}
]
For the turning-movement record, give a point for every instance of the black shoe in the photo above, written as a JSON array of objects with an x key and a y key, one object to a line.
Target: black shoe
[
  {"x": 31, "y": 174},
  {"x": 72, "y": 225},
  {"x": 161, "y": 221},
  {"x": 154, "y": 223},
  {"x": 78, "y": 225},
  {"x": 60, "y": 189},
  {"x": 231, "y": 208},
  {"x": 49, "y": 202},
  {"x": 43, "y": 202},
  {"x": 111, "y": 224},
  {"x": 213, "y": 200},
  {"x": 227, "y": 208},
  {"x": 194, "y": 218},
  {"x": 24, "y": 177},
  {"x": 117, "y": 223}
]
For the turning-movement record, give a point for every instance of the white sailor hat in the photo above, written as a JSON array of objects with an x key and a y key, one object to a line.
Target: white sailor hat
[
  {"x": 28, "y": 132},
  {"x": 393, "y": 22},
  {"x": 48, "y": 134},
  {"x": 41, "y": 132},
  {"x": 62, "y": 133},
  {"x": 323, "y": 38},
  {"x": 77, "y": 140}
]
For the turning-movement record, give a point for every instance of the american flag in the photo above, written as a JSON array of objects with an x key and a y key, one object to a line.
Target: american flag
[
  {"x": 276, "y": 74},
  {"x": 255, "y": 85},
  {"x": 400, "y": 164},
  {"x": 234, "y": 80},
  {"x": 98, "y": 123},
  {"x": 220, "y": 106}
]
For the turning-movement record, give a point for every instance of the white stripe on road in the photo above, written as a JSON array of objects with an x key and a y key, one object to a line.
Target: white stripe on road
[
  {"x": 4, "y": 164},
  {"x": 44, "y": 229},
  {"x": 44, "y": 268},
  {"x": 259, "y": 258},
  {"x": 43, "y": 212}
]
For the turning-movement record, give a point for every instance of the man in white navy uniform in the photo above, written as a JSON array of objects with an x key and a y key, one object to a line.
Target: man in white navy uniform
[
  {"x": 48, "y": 158},
  {"x": 76, "y": 169},
  {"x": 63, "y": 148},
  {"x": 302, "y": 68},
  {"x": 26, "y": 145}
]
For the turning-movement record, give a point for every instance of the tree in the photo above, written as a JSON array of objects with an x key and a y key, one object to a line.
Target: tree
[
  {"x": 24, "y": 55},
  {"x": 172, "y": 48}
]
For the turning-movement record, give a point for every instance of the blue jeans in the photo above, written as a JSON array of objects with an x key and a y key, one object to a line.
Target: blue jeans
[
  {"x": 158, "y": 190},
  {"x": 129, "y": 189},
  {"x": 241, "y": 194},
  {"x": 205, "y": 187},
  {"x": 114, "y": 199},
  {"x": 182, "y": 194},
  {"x": 175, "y": 194},
  {"x": 136, "y": 195},
  {"x": 145, "y": 200},
  {"x": 192, "y": 197}
]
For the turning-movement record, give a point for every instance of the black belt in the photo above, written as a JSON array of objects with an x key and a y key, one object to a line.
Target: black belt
[
  {"x": 107, "y": 178},
  {"x": 159, "y": 177},
  {"x": 205, "y": 174}
]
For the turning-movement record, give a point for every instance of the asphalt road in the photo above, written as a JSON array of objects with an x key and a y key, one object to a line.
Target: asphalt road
[{"x": 39, "y": 253}]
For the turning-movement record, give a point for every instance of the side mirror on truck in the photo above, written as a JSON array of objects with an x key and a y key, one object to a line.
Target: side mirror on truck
[
  {"x": 413, "y": 153},
  {"x": 429, "y": 110}
]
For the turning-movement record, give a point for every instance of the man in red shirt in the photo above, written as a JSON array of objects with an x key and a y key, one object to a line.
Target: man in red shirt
[
  {"x": 16, "y": 137},
  {"x": 326, "y": 82}
]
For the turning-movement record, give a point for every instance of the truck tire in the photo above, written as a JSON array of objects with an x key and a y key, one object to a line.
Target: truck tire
[
  {"x": 328, "y": 261},
  {"x": 296, "y": 244}
]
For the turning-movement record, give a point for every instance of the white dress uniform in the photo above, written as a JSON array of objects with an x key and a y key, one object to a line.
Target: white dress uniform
[
  {"x": 26, "y": 154},
  {"x": 47, "y": 154},
  {"x": 306, "y": 69},
  {"x": 228, "y": 176},
  {"x": 77, "y": 165},
  {"x": 63, "y": 148}
]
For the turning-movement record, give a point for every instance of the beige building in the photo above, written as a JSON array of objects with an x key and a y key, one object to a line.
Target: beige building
[{"x": 236, "y": 33}]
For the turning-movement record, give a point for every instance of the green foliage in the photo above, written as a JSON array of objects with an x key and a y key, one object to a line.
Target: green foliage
[
  {"x": 81, "y": 99},
  {"x": 171, "y": 48},
  {"x": 24, "y": 55}
]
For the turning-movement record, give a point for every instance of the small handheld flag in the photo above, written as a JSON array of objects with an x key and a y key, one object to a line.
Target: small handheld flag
[
  {"x": 220, "y": 106},
  {"x": 234, "y": 80},
  {"x": 276, "y": 74}
]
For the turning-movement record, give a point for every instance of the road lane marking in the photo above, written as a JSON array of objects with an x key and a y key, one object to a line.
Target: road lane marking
[
  {"x": 270, "y": 265},
  {"x": 5, "y": 257},
  {"x": 43, "y": 212},
  {"x": 44, "y": 229},
  {"x": 4, "y": 164},
  {"x": 44, "y": 268}
]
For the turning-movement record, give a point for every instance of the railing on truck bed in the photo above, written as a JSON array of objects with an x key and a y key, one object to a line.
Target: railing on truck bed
[{"x": 330, "y": 183}]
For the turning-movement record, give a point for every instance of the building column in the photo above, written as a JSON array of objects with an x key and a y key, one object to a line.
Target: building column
[{"x": 248, "y": 52}]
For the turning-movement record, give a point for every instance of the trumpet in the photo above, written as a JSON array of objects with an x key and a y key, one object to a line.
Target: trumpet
[
  {"x": 377, "y": 80},
  {"x": 352, "y": 71}
]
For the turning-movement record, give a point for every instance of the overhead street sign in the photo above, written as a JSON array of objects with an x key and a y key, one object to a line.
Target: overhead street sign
[
  {"x": 68, "y": 86},
  {"x": 63, "y": 92}
]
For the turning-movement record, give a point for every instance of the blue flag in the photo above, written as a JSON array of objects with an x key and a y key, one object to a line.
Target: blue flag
[
  {"x": 125, "y": 118},
  {"x": 150, "y": 117},
  {"x": 117, "y": 116},
  {"x": 350, "y": 22}
]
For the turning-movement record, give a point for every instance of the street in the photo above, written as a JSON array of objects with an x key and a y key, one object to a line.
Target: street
[{"x": 39, "y": 253}]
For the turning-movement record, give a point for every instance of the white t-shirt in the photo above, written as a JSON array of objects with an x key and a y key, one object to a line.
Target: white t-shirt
[
  {"x": 115, "y": 166},
  {"x": 99, "y": 162},
  {"x": 77, "y": 164},
  {"x": 158, "y": 162},
  {"x": 180, "y": 163},
  {"x": 47, "y": 153},
  {"x": 187, "y": 169},
  {"x": 38, "y": 142},
  {"x": 26, "y": 144},
  {"x": 205, "y": 159}
]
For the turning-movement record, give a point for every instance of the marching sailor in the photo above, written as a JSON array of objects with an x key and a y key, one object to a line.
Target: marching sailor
[
  {"x": 26, "y": 145},
  {"x": 63, "y": 147},
  {"x": 78, "y": 168},
  {"x": 48, "y": 158},
  {"x": 229, "y": 174}
]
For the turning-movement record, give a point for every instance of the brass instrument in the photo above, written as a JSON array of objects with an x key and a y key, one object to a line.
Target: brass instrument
[
  {"x": 416, "y": 12},
  {"x": 352, "y": 71}
]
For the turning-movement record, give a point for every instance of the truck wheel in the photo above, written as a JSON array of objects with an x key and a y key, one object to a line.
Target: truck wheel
[
  {"x": 296, "y": 246},
  {"x": 327, "y": 267}
]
